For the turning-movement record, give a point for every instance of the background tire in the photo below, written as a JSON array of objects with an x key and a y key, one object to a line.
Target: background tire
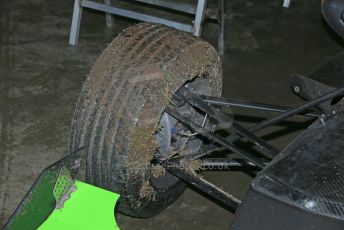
[{"x": 120, "y": 106}]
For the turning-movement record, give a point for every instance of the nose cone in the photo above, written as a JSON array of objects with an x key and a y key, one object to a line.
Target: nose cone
[{"x": 333, "y": 12}]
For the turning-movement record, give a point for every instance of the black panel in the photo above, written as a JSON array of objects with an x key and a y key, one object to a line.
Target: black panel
[
  {"x": 309, "y": 173},
  {"x": 261, "y": 212}
]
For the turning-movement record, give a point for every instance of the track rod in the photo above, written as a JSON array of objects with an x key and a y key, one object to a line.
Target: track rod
[
  {"x": 211, "y": 136},
  {"x": 194, "y": 100},
  {"x": 190, "y": 177},
  {"x": 253, "y": 105}
]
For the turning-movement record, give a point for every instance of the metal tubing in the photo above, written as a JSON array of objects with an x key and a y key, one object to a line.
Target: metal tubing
[
  {"x": 75, "y": 27},
  {"x": 108, "y": 16},
  {"x": 193, "y": 100},
  {"x": 258, "y": 162},
  {"x": 290, "y": 112},
  {"x": 268, "y": 122},
  {"x": 135, "y": 15},
  {"x": 221, "y": 30},
  {"x": 286, "y": 3},
  {"x": 252, "y": 105},
  {"x": 225, "y": 163},
  {"x": 201, "y": 152},
  {"x": 200, "y": 12},
  {"x": 298, "y": 109},
  {"x": 208, "y": 188},
  {"x": 180, "y": 6}
]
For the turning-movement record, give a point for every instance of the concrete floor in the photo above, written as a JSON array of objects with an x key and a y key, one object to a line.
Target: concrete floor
[{"x": 41, "y": 76}]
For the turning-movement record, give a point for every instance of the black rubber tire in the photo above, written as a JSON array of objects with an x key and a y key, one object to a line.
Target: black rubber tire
[{"x": 121, "y": 104}]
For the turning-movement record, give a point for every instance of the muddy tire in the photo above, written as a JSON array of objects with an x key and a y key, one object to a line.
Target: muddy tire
[{"x": 120, "y": 106}]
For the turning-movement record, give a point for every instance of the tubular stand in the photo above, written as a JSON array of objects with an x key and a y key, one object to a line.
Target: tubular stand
[{"x": 198, "y": 11}]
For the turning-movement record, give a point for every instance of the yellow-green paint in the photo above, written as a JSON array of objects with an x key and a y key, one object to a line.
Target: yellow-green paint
[{"x": 89, "y": 207}]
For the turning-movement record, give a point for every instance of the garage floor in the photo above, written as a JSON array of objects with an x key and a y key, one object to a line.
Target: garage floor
[{"x": 41, "y": 76}]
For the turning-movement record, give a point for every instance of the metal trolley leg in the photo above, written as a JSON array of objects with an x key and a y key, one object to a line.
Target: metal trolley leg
[
  {"x": 286, "y": 3},
  {"x": 108, "y": 16},
  {"x": 74, "y": 31},
  {"x": 200, "y": 11},
  {"x": 221, "y": 21},
  {"x": 108, "y": 9}
]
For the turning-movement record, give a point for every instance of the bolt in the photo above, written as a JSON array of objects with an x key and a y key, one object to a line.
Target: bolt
[{"x": 297, "y": 89}]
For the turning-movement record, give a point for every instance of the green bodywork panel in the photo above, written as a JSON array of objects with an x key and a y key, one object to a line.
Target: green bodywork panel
[
  {"x": 85, "y": 206},
  {"x": 38, "y": 203},
  {"x": 88, "y": 207}
]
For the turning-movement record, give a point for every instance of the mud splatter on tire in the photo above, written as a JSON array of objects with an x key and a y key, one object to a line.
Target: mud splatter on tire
[{"x": 121, "y": 104}]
